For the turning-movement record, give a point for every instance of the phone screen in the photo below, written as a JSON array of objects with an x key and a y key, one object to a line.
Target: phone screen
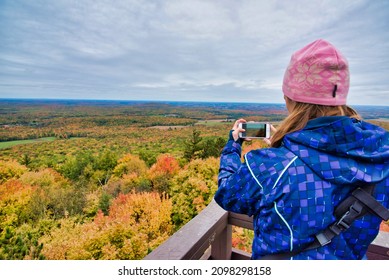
[{"x": 254, "y": 129}]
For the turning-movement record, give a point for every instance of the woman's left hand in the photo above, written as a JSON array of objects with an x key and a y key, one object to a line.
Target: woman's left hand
[{"x": 236, "y": 129}]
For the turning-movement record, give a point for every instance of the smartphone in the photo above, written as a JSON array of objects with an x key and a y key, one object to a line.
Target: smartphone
[{"x": 255, "y": 130}]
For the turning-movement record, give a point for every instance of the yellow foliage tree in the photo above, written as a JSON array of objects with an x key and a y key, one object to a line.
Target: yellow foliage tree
[
  {"x": 193, "y": 189},
  {"x": 130, "y": 164},
  {"x": 14, "y": 198},
  {"x": 55, "y": 196},
  {"x": 44, "y": 178},
  {"x": 11, "y": 169},
  {"x": 130, "y": 174}
]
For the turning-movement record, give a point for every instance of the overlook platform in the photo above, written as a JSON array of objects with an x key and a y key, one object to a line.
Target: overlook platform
[{"x": 208, "y": 236}]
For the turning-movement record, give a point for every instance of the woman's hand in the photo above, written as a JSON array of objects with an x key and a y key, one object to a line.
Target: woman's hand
[
  {"x": 273, "y": 130},
  {"x": 236, "y": 129}
]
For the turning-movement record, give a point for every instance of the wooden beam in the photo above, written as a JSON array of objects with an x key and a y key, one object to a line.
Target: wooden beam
[
  {"x": 240, "y": 220},
  {"x": 240, "y": 255}
]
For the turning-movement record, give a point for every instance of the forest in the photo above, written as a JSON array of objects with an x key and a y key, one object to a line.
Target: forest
[{"x": 113, "y": 179}]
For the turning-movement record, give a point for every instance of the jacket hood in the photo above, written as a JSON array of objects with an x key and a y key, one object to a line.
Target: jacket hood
[{"x": 342, "y": 150}]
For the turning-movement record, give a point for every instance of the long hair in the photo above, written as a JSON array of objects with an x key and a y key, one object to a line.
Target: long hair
[{"x": 303, "y": 112}]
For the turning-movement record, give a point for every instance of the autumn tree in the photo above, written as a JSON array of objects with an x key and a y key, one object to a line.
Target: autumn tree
[
  {"x": 193, "y": 189},
  {"x": 11, "y": 169},
  {"x": 253, "y": 145},
  {"x": 130, "y": 173},
  {"x": 54, "y": 196},
  {"x": 242, "y": 238},
  {"x": 15, "y": 241},
  {"x": 130, "y": 164},
  {"x": 137, "y": 223},
  {"x": 14, "y": 199},
  {"x": 162, "y": 172}
]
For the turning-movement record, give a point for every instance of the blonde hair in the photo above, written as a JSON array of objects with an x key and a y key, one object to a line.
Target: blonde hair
[{"x": 301, "y": 113}]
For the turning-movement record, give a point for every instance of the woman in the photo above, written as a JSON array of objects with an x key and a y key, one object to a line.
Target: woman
[{"x": 320, "y": 153}]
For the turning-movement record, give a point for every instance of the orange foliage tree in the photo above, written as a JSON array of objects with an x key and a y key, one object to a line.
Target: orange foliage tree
[
  {"x": 137, "y": 223},
  {"x": 253, "y": 145},
  {"x": 162, "y": 171}
]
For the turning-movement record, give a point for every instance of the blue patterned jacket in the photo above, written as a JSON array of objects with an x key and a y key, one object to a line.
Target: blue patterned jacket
[{"x": 292, "y": 190}]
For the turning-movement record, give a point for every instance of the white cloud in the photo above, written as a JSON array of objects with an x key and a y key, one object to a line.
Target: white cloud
[{"x": 195, "y": 19}]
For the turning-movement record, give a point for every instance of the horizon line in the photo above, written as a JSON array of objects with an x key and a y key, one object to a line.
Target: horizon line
[{"x": 150, "y": 101}]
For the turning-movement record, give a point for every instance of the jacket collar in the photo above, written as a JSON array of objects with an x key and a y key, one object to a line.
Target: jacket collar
[{"x": 323, "y": 121}]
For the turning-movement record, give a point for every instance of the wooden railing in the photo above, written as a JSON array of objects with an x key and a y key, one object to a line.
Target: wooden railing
[{"x": 209, "y": 236}]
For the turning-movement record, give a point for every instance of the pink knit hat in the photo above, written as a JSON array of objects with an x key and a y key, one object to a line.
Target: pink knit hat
[{"x": 317, "y": 74}]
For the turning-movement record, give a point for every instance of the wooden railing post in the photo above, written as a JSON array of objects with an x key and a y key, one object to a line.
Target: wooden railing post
[{"x": 221, "y": 248}]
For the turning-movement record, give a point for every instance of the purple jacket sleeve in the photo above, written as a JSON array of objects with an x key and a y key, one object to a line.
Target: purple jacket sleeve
[{"x": 238, "y": 192}]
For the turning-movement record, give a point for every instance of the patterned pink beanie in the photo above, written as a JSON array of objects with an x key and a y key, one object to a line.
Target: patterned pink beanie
[{"x": 317, "y": 74}]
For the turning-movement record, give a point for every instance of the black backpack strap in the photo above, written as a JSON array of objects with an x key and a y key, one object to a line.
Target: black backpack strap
[
  {"x": 372, "y": 204},
  {"x": 353, "y": 207}
]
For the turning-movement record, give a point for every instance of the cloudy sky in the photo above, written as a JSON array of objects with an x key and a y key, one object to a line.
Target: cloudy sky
[{"x": 184, "y": 50}]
